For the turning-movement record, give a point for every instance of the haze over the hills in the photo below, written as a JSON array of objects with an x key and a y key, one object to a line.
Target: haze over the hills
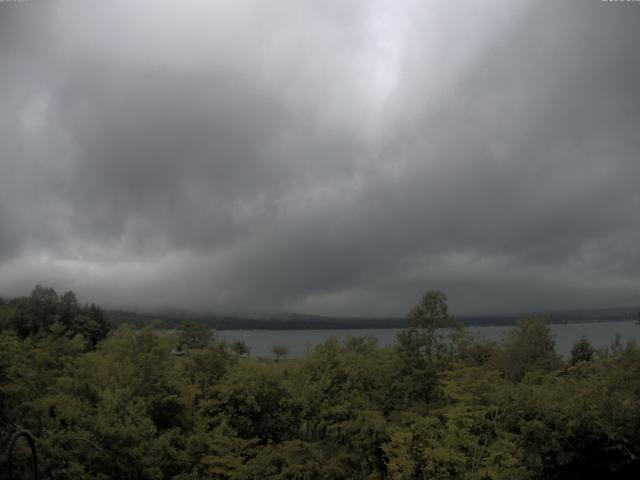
[{"x": 332, "y": 157}]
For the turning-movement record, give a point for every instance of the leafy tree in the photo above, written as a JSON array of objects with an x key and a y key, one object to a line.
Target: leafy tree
[
  {"x": 90, "y": 322},
  {"x": 68, "y": 308},
  {"x": 200, "y": 372},
  {"x": 42, "y": 308},
  {"x": 293, "y": 459},
  {"x": 280, "y": 351},
  {"x": 471, "y": 350},
  {"x": 527, "y": 347},
  {"x": 258, "y": 404},
  {"x": 432, "y": 311},
  {"x": 582, "y": 351},
  {"x": 192, "y": 335},
  {"x": 241, "y": 348},
  {"x": 216, "y": 453},
  {"x": 420, "y": 345}
]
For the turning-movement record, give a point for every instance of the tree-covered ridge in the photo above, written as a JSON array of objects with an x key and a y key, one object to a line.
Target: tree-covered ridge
[
  {"x": 290, "y": 321},
  {"x": 146, "y": 404}
]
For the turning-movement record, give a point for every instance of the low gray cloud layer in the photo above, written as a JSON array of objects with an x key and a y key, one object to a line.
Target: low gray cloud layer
[{"x": 324, "y": 157}]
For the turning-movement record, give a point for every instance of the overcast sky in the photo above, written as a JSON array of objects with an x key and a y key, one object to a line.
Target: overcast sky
[{"x": 329, "y": 157}]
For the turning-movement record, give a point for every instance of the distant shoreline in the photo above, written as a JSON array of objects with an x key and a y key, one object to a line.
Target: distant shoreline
[{"x": 311, "y": 322}]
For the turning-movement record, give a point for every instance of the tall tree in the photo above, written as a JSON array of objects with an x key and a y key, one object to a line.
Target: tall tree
[
  {"x": 527, "y": 347},
  {"x": 193, "y": 335},
  {"x": 582, "y": 351},
  {"x": 419, "y": 344}
]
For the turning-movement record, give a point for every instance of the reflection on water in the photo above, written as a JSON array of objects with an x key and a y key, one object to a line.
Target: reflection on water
[{"x": 301, "y": 341}]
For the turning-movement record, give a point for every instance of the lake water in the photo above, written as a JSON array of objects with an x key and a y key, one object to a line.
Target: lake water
[{"x": 300, "y": 342}]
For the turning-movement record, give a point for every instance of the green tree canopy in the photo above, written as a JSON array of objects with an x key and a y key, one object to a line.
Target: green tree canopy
[
  {"x": 193, "y": 335},
  {"x": 582, "y": 351},
  {"x": 527, "y": 347}
]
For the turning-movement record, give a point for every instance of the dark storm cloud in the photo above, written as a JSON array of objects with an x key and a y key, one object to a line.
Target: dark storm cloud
[{"x": 331, "y": 158}]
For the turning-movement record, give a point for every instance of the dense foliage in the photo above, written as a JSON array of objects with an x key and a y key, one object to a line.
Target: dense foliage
[{"x": 147, "y": 404}]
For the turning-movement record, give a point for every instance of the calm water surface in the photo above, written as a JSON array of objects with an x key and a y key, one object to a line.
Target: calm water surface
[{"x": 302, "y": 341}]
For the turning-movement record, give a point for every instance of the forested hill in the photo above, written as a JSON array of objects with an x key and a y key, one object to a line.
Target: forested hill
[
  {"x": 293, "y": 321},
  {"x": 65, "y": 312},
  {"x": 285, "y": 321}
]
